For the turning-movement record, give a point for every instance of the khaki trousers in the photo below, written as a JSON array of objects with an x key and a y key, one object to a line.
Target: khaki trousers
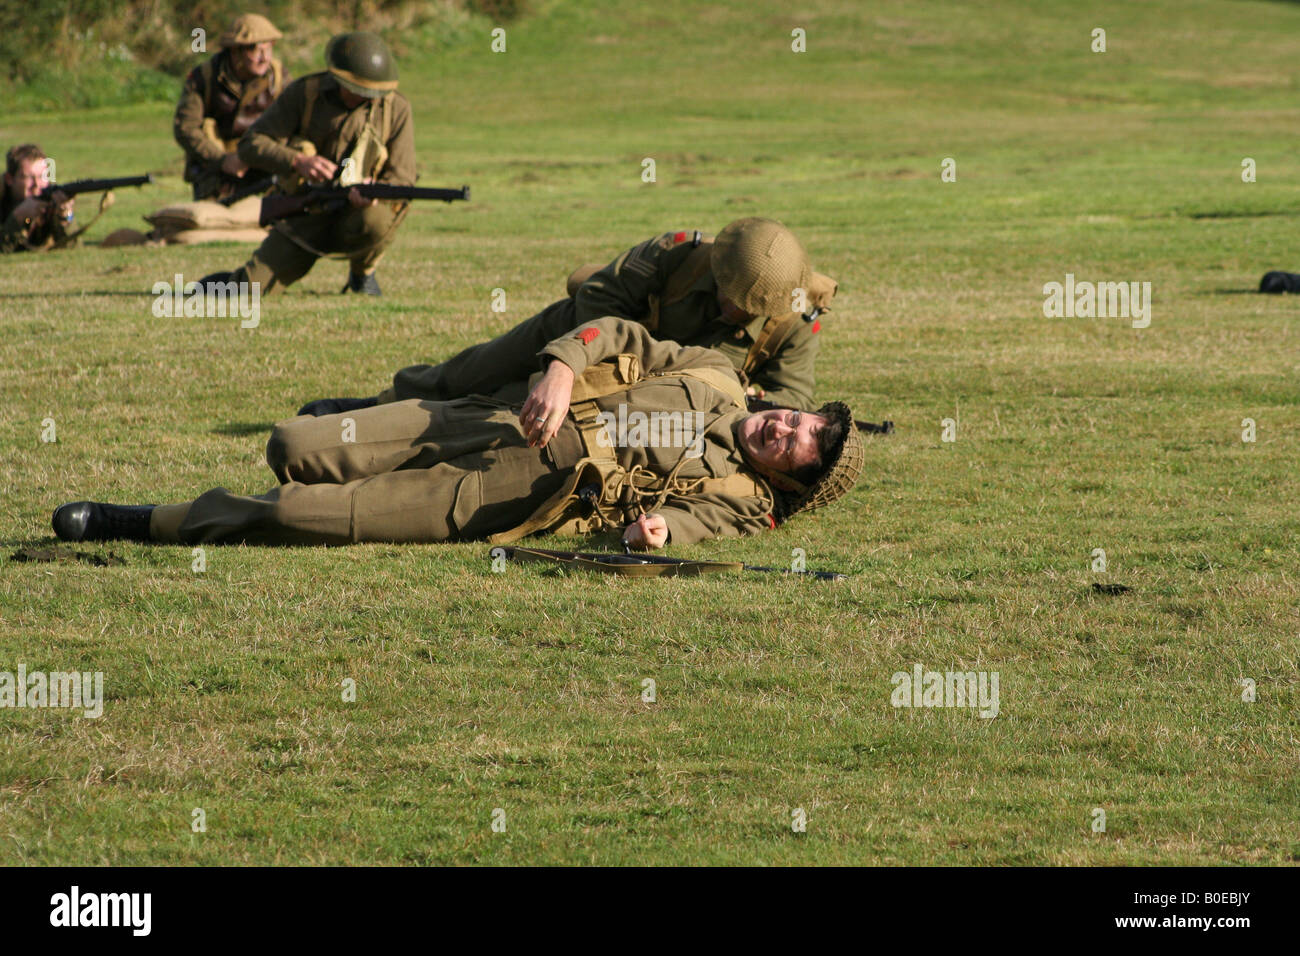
[
  {"x": 361, "y": 235},
  {"x": 405, "y": 472}
]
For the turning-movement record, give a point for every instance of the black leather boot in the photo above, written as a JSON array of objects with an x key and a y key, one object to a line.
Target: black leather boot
[
  {"x": 97, "y": 521},
  {"x": 357, "y": 282},
  {"x": 1275, "y": 282},
  {"x": 333, "y": 406}
]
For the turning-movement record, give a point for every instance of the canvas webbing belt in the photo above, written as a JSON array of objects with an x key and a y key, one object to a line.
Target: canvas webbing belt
[{"x": 600, "y": 487}]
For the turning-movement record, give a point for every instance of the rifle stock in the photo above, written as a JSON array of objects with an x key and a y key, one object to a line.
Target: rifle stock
[{"x": 334, "y": 198}]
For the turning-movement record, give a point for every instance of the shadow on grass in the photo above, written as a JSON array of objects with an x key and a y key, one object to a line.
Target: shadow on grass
[
  {"x": 75, "y": 295},
  {"x": 243, "y": 428}
]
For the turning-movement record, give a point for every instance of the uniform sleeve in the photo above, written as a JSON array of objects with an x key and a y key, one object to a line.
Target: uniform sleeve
[
  {"x": 694, "y": 518},
  {"x": 12, "y": 234},
  {"x": 624, "y": 287},
  {"x": 787, "y": 378},
  {"x": 399, "y": 170},
  {"x": 611, "y": 336},
  {"x": 263, "y": 145},
  {"x": 187, "y": 125}
]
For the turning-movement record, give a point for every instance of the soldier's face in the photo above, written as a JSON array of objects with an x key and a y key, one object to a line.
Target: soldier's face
[
  {"x": 252, "y": 59},
  {"x": 733, "y": 313},
  {"x": 351, "y": 100},
  {"x": 781, "y": 440},
  {"x": 28, "y": 181}
]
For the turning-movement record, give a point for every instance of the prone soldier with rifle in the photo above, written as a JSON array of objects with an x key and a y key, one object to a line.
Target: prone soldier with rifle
[
  {"x": 347, "y": 127},
  {"x": 37, "y": 214}
]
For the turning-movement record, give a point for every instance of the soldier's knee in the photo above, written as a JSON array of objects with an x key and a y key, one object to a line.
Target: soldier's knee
[{"x": 283, "y": 450}]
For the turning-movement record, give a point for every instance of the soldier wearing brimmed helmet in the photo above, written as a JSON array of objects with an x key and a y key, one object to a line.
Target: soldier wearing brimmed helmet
[
  {"x": 750, "y": 293},
  {"x": 346, "y": 125},
  {"x": 221, "y": 99}
]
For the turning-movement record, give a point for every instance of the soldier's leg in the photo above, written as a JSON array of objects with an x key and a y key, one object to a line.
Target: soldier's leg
[
  {"x": 371, "y": 441},
  {"x": 468, "y": 498},
  {"x": 483, "y": 369},
  {"x": 364, "y": 234},
  {"x": 279, "y": 261}
]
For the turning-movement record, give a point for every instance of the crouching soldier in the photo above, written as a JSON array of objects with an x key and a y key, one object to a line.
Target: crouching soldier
[
  {"x": 620, "y": 432},
  {"x": 345, "y": 126},
  {"x": 220, "y": 101}
]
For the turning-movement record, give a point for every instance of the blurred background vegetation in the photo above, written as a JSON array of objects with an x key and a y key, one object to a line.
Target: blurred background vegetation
[{"x": 112, "y": 52}]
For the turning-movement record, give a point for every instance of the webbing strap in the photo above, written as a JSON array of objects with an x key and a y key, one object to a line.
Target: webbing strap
[{"x": 775, "y": 333}]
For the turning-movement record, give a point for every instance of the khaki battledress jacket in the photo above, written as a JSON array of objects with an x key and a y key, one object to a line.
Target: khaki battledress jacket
[{"x": 421, "y": 471}]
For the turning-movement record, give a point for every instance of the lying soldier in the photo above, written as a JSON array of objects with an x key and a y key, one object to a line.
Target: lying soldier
[
  {"x": 589, "y": 450},
  {"x": 26, "y": 220},
  {"x": 750, "y": 293}
]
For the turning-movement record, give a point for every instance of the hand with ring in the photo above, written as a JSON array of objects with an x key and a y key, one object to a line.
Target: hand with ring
[{"x": 543, "y": 413}]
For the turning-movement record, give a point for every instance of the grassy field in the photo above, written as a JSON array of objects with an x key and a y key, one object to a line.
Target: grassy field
[{"x": 523, "y": 691}]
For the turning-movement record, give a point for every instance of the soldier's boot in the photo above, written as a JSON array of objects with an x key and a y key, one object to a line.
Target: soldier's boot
[
  {"x": 216, "y": 278},
  {"x": 333, "y": 406},
  {"x": 362, "y": 282},
  {"x": 1276, "y": 282},
  {"x": 98, "y": 521}
]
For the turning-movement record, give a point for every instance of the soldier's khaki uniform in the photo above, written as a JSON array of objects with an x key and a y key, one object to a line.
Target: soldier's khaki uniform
[
  {"x": 633, "y": 286},
  {"x": 310, "y": 109},
  {"x": 21, "y": 236},
  {"x": 215, "y": 98},
  {"x": 460, "y": 470}
]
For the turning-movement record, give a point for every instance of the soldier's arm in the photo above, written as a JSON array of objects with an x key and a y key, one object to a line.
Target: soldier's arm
[
  {"x": 264, "y": 144},
  {"x": 13, "y": 234},
  {"x": 624, "y": 287},
  {"x": 611, "y": 336},
  {"x": 694, "y": 518},
  {"x": 399, "y": 170},
  {"x": 187, "y": 125},
  {"x": 787, "y": 378}
]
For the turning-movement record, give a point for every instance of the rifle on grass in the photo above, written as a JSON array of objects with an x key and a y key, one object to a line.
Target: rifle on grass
[
  {"x": 78, "y": 186},
  {"x": 335, "y": 198},
  {"x": 884, "y": 428},
  {"x": 645, "y": 565}
]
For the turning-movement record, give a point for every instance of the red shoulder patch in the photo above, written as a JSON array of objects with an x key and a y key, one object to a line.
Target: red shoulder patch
[
  {"x": 817, "y": 326},
  {"x": 588, "y": 335},
  {"x": 679, "y": 237},
  {"x": 771, "y": 521}
]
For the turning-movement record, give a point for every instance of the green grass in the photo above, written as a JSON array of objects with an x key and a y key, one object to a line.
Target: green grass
[{"x": 523, "y": 690}]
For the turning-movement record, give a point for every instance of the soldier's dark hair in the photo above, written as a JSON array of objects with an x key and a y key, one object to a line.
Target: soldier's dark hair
[
  {"x": 828, "y": 439},
  {"x": 18, "y": 155}
]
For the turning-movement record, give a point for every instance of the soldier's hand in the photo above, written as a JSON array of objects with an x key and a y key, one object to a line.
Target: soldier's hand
[
  {"x": 232, "y": 165},
  {"x": 547, "y": 404},
  {"x": 359, "y": 201},
  {"x": 31, "y": 208},
  {"x": 316, "y": 169},
  {"x": 63, "y": 206},
  {"x": 646, "y": 533}
]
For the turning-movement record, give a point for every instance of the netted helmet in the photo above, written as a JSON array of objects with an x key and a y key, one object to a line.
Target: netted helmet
[{"x": 758, "y": 264}]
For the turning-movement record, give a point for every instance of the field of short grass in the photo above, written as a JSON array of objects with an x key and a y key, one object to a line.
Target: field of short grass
[{"x": 522, "y": 691}]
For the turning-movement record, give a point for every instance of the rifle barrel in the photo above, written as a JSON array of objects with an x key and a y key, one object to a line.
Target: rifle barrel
[{"x": 78, "y": 186}]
